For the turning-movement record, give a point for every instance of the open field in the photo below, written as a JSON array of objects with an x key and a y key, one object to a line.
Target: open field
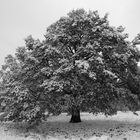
[{"x": 123, "y": 126}]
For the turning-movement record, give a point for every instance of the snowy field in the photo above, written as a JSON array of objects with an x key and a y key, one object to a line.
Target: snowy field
[{"x": 123, "y": 126}]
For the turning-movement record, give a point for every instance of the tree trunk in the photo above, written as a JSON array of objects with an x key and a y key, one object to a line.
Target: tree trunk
[{"x": 75, "y": 112}]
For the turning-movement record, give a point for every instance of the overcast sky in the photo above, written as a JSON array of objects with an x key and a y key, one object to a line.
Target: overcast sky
[{"x": 20, "y": 18}]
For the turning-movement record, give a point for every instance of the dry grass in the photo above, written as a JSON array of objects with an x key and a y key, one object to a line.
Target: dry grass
[{"x": 123, "y": 126}]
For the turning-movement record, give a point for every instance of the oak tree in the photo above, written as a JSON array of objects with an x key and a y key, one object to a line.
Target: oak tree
[{"x": 82, "y": 64}]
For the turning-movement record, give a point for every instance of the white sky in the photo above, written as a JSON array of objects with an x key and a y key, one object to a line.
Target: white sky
[{"x": 20, "y": 18}]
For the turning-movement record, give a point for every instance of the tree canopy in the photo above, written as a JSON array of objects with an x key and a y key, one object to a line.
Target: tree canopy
[{"x": 82, "y": 64}]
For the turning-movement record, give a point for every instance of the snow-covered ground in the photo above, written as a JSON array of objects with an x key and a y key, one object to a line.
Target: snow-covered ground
[{"x": 123, "y": 126}]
